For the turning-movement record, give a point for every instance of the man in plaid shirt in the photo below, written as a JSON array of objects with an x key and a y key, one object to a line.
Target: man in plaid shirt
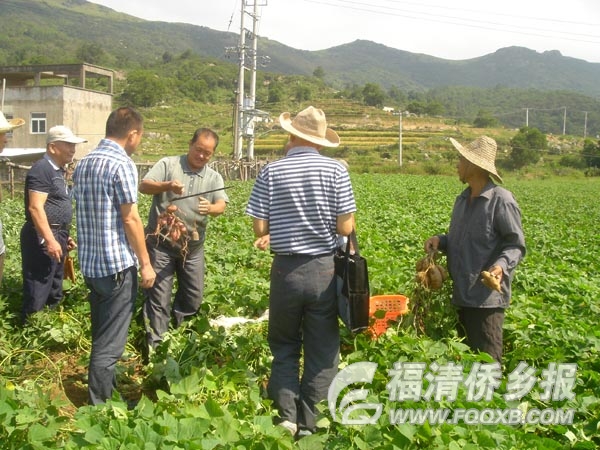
[{"x": 111, "y": 243}]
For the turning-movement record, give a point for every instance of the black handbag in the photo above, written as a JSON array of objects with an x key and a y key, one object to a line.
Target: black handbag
[{"x": 353, "y": 286}]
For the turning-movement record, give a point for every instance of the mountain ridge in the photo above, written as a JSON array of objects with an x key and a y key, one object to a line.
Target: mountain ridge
[{"x": 128, "y": 41}]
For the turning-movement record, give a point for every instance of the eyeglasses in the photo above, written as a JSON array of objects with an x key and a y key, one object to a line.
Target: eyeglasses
[{"x": 205, "y": 153}]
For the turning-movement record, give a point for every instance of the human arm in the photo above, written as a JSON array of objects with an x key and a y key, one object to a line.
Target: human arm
[
  {"x": 134, "y": 230},
  {"x": 71, "y": 244},
  {"x": 160, "y": 179},
  {"x": 37, "y": 200},
  {"x": 345, "y": 224},
  {"x": 260, "y": 227},
  {"x": 432, "y": 244},
  {"x": 437, "y": 243},
  {"x": 212, "y": 209},
  {"x": 511, "y": 239},
  {"x": 152, "y": 187},
  {"x": 263, "y": 242}
]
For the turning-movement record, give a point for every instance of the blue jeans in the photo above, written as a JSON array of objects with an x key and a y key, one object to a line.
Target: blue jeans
[
  {"x": 302, "y": 317},
  {"x": 112, "y": 301},
  {"x": 168, "y": 262}
]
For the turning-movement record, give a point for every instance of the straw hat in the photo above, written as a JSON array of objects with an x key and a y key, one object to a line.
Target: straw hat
[
  {"x": 9, "y": 125},
  {"x": 310, "y": 124},
  {"x": 481, "y": 152}
]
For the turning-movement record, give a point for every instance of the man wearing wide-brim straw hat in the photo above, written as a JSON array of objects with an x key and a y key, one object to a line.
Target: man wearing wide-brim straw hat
[
  {"x": 483, "y": 246},
  {"x": 5, "y": 127},
  {"x": 301, "y": 203},
  {"x": 481, "y": 153}
]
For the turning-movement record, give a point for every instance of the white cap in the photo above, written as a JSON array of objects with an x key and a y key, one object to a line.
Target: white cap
[{"x": 62, "y": 133}]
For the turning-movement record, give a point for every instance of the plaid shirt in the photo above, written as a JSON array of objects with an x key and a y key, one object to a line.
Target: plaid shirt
[{"x": 104, "y": 180}]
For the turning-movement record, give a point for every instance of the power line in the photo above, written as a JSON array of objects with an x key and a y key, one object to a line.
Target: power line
[
  {"x": 496, "y": 13},
  {"x": 232, "y": 14},
  {"x": 452, "y": 20}
]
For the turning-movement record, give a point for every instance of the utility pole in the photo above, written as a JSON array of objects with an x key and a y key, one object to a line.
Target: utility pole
[
  {"x": 585, "y": 125},
  {"x": 400, "y": 139},
  {"x": 245, "y": 111},
  {"x": 252, "y": 100},
  {"x": 3, "y": 89},
  {"x": 565, "y": 121},
  {"x": 527, "y": 117},
  {"x": 239, "y": 112}
]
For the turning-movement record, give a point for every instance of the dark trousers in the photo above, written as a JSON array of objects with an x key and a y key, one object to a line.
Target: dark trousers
[
  {"x": 112, "y": 301},
  {"x": 159, "y": 307},
  {"x": 42, "y": 275},
  {"x": 482, "y": 328},
  {"x": 302, "y": 318}
]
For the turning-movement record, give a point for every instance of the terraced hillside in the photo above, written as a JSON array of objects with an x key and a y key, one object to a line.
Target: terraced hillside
[{"x": 369, "y": 137}]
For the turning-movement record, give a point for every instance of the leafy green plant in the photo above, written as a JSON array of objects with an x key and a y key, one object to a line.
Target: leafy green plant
[{"x": 204, "y": 385}]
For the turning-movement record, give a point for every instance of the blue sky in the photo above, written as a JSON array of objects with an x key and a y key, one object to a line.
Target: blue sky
[{"x": 458, "y": 30}]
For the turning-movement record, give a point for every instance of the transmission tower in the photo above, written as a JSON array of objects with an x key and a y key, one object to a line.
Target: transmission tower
[{"x": 245, "y": 108}]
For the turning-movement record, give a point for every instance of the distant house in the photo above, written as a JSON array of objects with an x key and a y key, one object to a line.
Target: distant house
[
  {"x": 76, "y": 95},
  {"x": 388, "y": 109}
]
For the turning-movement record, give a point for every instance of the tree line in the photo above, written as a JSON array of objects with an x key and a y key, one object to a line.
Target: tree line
[{"x": 212, "y": 81}]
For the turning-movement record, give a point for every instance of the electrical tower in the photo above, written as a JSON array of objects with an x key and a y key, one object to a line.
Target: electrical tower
[{"x": 245, "y": 108}]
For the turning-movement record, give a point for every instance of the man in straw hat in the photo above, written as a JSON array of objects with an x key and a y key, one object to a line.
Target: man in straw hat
[
  {"x": 485, "y": 234},
  {"x": 5, "y": 127},
  {"x": 301, "y": 202},
  {"x": 45, "y": 235}
]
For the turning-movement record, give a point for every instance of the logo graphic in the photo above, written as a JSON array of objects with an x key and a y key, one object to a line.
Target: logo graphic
[
  {"x": 360, "y": 372},
  {"x": 406, "y": 383}
]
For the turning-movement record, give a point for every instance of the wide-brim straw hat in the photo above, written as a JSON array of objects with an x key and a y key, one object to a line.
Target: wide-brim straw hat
[
  {"x": 9, "y": 125},
  {"x": 481, "y": 152},
  {"x": 311, "y": 125}
]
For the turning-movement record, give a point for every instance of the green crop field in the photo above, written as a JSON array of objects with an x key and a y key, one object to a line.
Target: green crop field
[{"x": 204, "y": 386}]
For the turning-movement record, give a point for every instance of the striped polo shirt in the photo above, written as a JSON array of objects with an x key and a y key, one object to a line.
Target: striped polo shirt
[{"x": 301, "y": 195}]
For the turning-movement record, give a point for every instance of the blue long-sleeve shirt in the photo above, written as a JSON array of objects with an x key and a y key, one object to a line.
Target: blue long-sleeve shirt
[{"x": 484, "y": 232}]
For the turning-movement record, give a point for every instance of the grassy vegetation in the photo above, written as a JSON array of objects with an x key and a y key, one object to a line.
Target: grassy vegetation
[
  {"x": 204, "y": 388},
  {"x": 370, "y": 138}
]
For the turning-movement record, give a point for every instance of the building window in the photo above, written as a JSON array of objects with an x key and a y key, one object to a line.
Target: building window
[{"x": 38, "y": 123}]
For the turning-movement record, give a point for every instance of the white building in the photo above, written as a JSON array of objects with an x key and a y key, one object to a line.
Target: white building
[{"x": 76, "y": 95}]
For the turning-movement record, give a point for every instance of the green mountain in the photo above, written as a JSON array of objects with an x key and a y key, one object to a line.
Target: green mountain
[
  {"x": 514, "y": 67},
  {"x": 53, "y": 31}
]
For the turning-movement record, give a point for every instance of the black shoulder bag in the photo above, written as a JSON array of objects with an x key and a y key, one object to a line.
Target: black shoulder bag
[{"x": 353, "y": 286}]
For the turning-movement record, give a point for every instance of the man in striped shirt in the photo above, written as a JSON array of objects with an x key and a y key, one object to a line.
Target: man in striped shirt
[
  {"x": 299, "y": 205},
  {"x": 111, "y": 243}
]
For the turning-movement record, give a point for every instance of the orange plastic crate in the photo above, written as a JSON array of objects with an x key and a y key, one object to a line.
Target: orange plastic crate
[{"x": 393, "y": 305}]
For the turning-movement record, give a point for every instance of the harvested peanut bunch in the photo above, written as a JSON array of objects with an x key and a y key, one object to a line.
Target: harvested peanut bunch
[
  {"x": 430, "y": 275},
  {"x": 490, "y": 281}
]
